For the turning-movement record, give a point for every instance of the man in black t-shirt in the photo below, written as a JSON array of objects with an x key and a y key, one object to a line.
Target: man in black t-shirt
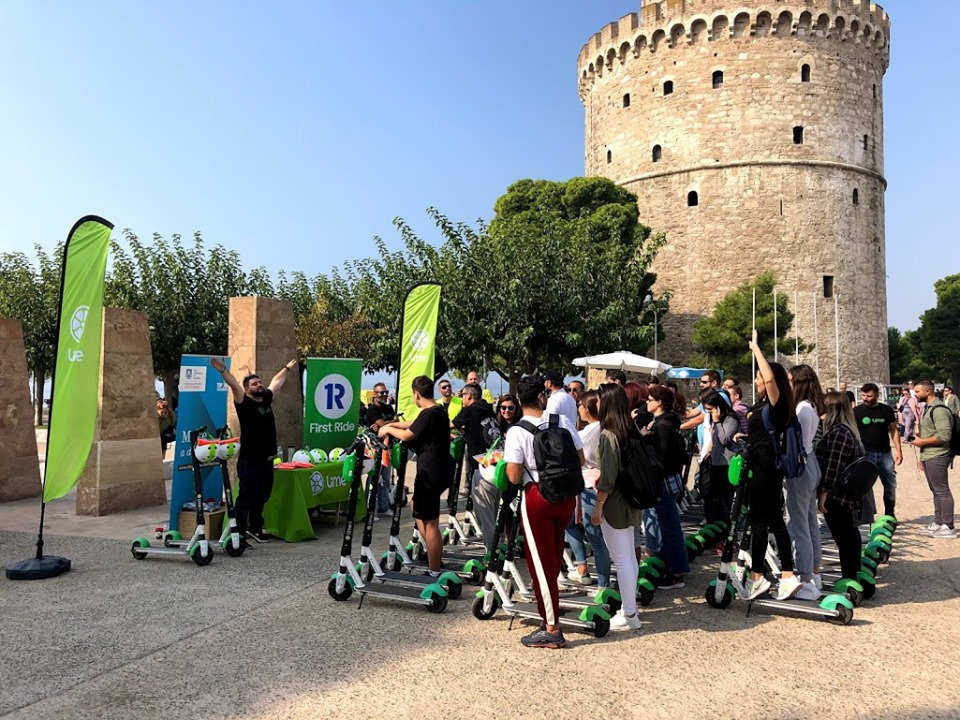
[
  {"x": 258, "y": 444},
  {"x": 429, "y": 437},
  {"x": 478, "y": 423},
  {"x": 878, "y": 431},
  {"x": 379, "y": 413}
]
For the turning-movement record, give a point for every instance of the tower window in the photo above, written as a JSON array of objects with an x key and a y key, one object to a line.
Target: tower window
[
  {"x": 805, "y": 73},
  {"x": 693, "y": 200},
  {"x": 609, "y": 156},
  {"x": 657, "y": 153},
  {"x": 828, "y": 286},
  {"x": 798, "y": 135},
  {"x": 856, "y": 196},
  {"x": 717, "y": 79},
  {"x": 866, "y": 143},
  {"x": 626, "y": 100},
  {"x": 668, "y": 87}
]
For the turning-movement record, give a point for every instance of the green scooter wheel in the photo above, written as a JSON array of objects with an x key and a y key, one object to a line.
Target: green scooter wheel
[
  {"x": 342, "y": 595},
  {"x": 478, "y": 610},
  {"x": 170, "y": 537},
  {"x": 140, "y": 542},
  {"x": 232, "y": 551},
  {"x": 199, "y": 558},
  {"x": 655, "y": 562},
  {"x": 869, "y": 584},
  {"x": 645, "y": 592}
]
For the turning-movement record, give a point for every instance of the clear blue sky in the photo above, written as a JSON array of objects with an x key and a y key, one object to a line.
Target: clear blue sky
[{"x": 294, "y": 132}]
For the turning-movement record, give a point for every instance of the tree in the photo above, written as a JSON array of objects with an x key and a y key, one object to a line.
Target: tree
[
  {"x": 721, "y": 340},
  {"x": 939, "y": 331}
]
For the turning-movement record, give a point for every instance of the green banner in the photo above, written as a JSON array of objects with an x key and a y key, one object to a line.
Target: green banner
[
  {"x": 76, "y": 374},
  {"x": 418, "y": 343},
  {"x": 332, "y": 403}
]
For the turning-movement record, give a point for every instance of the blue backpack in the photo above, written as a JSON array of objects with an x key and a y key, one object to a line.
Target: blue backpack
[{"x": 791, "y": 458}]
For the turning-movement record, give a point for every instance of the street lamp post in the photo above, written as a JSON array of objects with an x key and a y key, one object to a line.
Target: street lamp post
[{"x": 648, "y": 302}]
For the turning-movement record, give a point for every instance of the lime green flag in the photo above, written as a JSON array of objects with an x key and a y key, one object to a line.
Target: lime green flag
[
  {"x": 76, "y": 374},
  {"x": 418, "y": 339}
]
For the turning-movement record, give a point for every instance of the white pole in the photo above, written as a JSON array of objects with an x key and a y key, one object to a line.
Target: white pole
[
  {"x": 656, "y": 350},
  {"x": 816, "y": 333},
  {"x": 796, "y": 328},
  {"x": 753, "y": 360},
  {"x": 776, "y": 344},
  {"x": 836, "y": 327}
]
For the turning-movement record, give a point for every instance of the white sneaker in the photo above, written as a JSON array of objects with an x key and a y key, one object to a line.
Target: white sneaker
[
  {"x": 788, "y": 587},
  {"x": 583, "y": 579},
  {"x": 944, "y": 532},
  {"x": 756, "y": 588},
  {"x": 931, "y": 528},
  {"x": 808, "y": 591},
  {"x": 818, "y": 581},
  {"x": 621, "y": 621}
]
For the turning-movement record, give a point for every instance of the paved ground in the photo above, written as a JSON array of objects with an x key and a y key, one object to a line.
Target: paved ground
[{"x": 258, "y": 637}]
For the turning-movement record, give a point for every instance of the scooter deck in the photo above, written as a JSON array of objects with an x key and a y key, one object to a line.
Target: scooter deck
[
  {"x": 399, "y": 592},
  {"x": 529, "y": 610},
  {"x": 806, "y": 607},
  {"x": 404, "y": 578}
]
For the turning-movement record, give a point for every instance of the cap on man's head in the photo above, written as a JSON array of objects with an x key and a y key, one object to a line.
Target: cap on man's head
[{"x": 555, "y": 377}]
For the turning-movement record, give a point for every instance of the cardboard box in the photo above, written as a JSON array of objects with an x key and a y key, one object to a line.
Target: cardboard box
[{"x": 213, "y": 522}]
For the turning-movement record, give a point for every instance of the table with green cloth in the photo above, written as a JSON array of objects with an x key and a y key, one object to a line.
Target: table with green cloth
[{"x": 287, "y": 513}]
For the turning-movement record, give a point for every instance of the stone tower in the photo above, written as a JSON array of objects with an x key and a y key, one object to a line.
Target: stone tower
[{"x": 752, "y": 134}]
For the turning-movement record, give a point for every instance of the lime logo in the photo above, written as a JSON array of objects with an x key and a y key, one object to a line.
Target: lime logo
[
  {"x": 316, "y": 483},
  {"x": 78, "y": 322},
  {"x": 419, "y": 340},
  {"x": 866, "y": 421},
  {"x": 333, "y": 397}
]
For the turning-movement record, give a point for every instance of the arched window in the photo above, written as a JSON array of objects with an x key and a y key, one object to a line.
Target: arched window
[
  {"x": 693, "y": 200},
  {"x": 717, "y": 79},
  {"x": 668, "y": 87},
  {"x": 609, "y": 156},
  {"x": 657, "y": 153},
  {"x": 798, "y": 135},
  {"x": 874, "y": 92},
  {"x": 866, "y": 143},
  {"x": 856, "y": 196},
  {"x": 805, "y": 74},
  {"x": 626, "y": 100}
]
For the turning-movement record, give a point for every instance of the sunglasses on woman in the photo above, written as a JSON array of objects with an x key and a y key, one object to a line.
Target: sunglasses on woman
[{"x": 508, "y": 408}]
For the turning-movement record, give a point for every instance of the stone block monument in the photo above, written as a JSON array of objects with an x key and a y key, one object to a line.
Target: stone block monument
[
  {"x": 262, "y": 340},
  {"x": 125, "y": 469},
  {"x": 19, "y": 465}
]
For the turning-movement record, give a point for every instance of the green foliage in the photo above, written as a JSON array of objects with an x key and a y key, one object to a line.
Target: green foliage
[
  {"x": 906, "y": 362},
  {"x": 938, "y": 336},
  {"x": 721, "y": 340}
]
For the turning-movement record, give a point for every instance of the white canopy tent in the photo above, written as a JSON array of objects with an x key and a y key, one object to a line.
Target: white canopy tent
[{"x": 623, "y": 360}]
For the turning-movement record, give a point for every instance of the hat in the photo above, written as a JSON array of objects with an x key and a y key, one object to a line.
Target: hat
[{"x": 554, "y": 376}]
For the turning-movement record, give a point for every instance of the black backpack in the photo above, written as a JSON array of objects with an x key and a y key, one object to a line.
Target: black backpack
[
  {"x": 788, "y": 450},
  {"x": 641, "y": 473},
  {"x": 558, "y": 462},
  {"x": 954, "y": 431}
]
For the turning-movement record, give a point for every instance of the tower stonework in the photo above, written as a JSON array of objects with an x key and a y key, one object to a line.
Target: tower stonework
[{"x": 751, "y": 132}]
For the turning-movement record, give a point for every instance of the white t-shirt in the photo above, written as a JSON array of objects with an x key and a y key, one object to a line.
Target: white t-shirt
[
  {"x": 518, "y": 447},
  {"x": 590, "y": 437},
  {"x": 561, "y": 403},
  {"x": 808, "y": 419}
]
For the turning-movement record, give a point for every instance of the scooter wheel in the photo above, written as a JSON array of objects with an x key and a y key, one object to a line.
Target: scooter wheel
[
  {"x": 368, "y": 573},
  {"x": 645, "y": 596},
  {"x": 232, "y": 551},
  {"x": 692, "y": 554},
  {"x": 480, "y": 613},
  {"x": 199, "y": 558},
  {"x": 397, "y": 564},
  {"x": 135, "y": 548},
  {"x": 601, "y": 626},
  {"x": 711, "y": 597},
  {"x": 438, "y": 603},
  {"x": 844, "y": 616},
  {"x": 869, "y": 589},
  {"x": 856, "y": 597},
  {"x": 883, "y": 555},
  {"x": 343, "y": 594},
  {"x": 416, "y": 552},
  {"x": 454, "y": 590}
]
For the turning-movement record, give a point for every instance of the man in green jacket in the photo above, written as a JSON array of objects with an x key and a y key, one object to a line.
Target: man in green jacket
[{"x": 933, "y": 440}]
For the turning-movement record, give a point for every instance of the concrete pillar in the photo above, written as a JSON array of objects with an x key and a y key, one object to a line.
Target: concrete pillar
[
  {"x": 125, "y": 469},
  {"x": 19, "y": 466},
  {"x": 262, "y": 340}
]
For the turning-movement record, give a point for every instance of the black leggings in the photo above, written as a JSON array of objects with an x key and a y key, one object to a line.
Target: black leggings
[
  {"x": 255, "y": 478},
  {"x": 843, "y": 526},
  {"x": 716, "y": 506},
  {"x": 766, "y": 516}
]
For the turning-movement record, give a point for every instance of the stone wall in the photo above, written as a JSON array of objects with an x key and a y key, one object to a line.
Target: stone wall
[
  {"x": 125, "y": 469},
  {"x": 19, "y": 465},
  {"x": 263, "y": 340},
  {"x": 763, "y": 202}
]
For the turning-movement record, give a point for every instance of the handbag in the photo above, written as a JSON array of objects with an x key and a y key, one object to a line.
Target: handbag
[{"x": 857, "y": 479}]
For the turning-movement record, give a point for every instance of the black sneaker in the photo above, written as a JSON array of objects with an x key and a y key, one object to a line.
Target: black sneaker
[
  {"x": 671, "y": 582},
  {"x": 260, "y": 537},
  {"x": 543, "y": 639}
]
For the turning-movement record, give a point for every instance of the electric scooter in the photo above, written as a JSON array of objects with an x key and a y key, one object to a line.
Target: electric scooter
[
  {"x": 731, "y": 578},
  {"x": 469, "y": 533},
  {"x": 348, "y": 579},
  {"x": 199, "y": 549},
  {"x": 497, "y": 589}
]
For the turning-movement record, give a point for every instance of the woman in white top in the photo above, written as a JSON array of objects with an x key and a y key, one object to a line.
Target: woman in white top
[
  {"x": 801, "y": 492},
  {"x": 588, "y": 407}
]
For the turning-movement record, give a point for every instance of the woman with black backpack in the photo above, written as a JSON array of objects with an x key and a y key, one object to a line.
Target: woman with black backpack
[
  {"x": 661, "y": 523},
  {"x": 615, "y": 516}
]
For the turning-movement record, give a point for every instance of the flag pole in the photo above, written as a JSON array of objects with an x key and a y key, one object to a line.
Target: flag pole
[
  {"x": 796, "y": 329},
  {"x": 753, "y": 360},
  {"x": 776, "y": 344},
  {"x": 816, "y": 333},
  {"x": 836, "y": 329}
]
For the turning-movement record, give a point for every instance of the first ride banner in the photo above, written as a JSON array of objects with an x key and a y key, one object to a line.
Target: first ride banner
[
  {"x": 332, "y": 403},
  {"x": 418, "y": 343},
  {"x": 76, "y": 374}
]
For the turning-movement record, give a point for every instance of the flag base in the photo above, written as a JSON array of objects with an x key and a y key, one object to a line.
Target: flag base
[{"x": 38, "y": 568}]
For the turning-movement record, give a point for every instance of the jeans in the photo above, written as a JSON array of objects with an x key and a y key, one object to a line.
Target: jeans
[
  {"x": 383, "y": 490},
  {"x": 574, "y": 536},
  {"x": 936, "y": 470},
  {"x": 802, "y": 524},
  {"x": 888, "y": 478},
  {"x": 663, "y": 533},
  {"x": 255, "y": 483},
  {"x": 843, "y": 527},
  {"x": 620, "y": 544}
]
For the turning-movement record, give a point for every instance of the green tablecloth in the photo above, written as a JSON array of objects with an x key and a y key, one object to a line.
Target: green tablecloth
[{"x": 287, "y": 513}]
